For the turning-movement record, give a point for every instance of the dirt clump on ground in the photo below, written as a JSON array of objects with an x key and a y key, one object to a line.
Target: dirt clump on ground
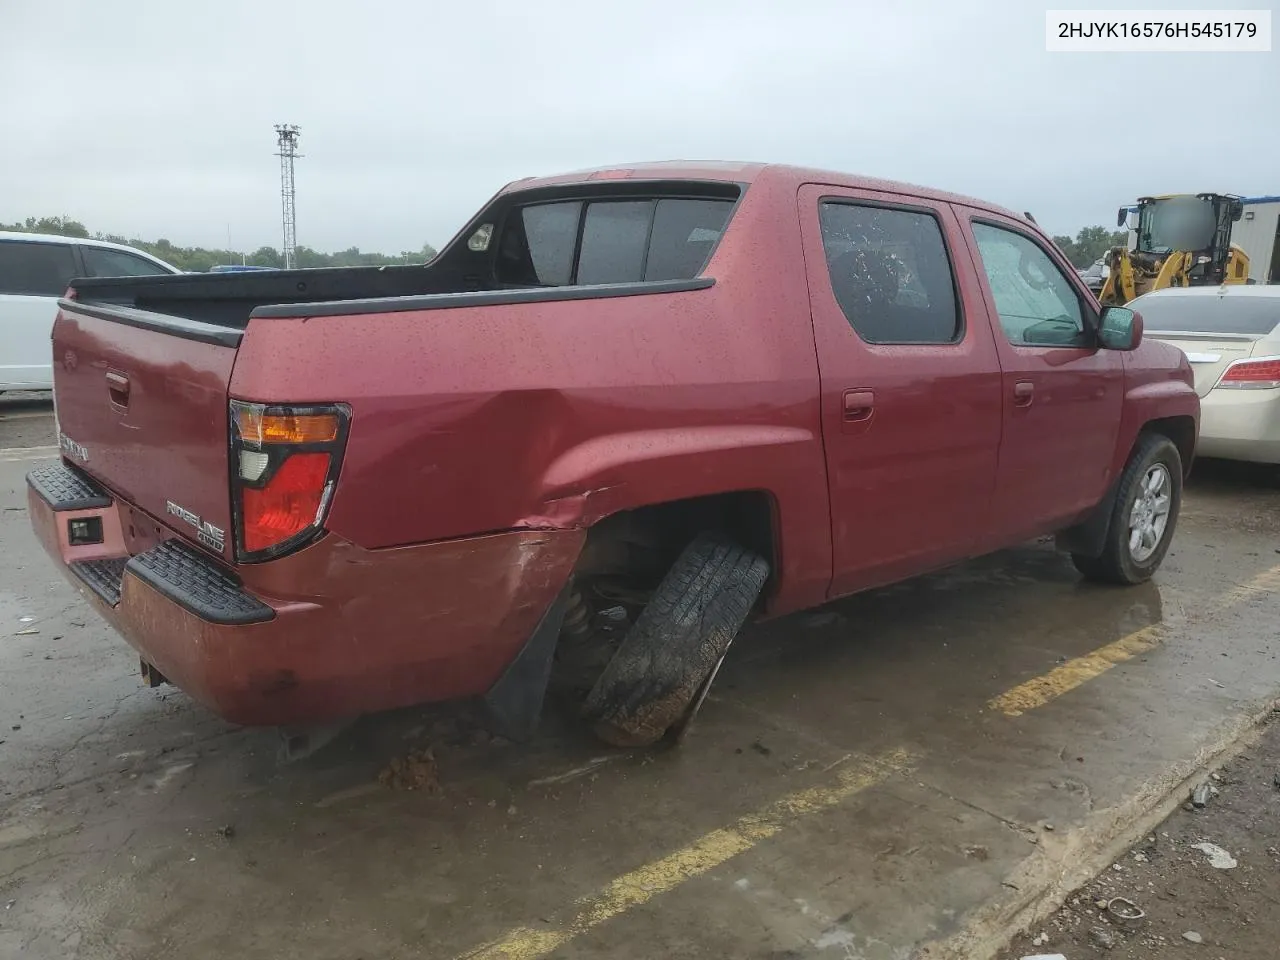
[{"x": 415, "y": 771}]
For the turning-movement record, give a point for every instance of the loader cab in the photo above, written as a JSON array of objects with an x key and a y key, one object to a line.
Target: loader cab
[{"x": 1196, "y": 223}]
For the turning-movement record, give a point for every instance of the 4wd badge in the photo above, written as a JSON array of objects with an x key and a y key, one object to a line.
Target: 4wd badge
[{"x": 206, "y": 532}]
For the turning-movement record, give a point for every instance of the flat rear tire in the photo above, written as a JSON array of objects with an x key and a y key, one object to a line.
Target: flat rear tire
[{"x": 666, "y": 660}]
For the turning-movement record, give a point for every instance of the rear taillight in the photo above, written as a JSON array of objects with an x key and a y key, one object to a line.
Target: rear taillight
[
  {"x": 1260, "y": 374},
  {"x": 284, "y": 466}
]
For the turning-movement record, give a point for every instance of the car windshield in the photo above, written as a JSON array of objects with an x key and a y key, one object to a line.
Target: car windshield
[{"x": 1253, "y": 316}]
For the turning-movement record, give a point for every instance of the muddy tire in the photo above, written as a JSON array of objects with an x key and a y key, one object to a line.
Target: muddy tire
[
  {"x": 1143, "y": 517},
  {"x": 676, "y": 642}
]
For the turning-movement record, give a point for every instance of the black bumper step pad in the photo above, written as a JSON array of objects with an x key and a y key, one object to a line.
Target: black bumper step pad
[
  {"x": 103, "y": 577},
  {"x": 192, "y": 581},
  {"x": 66, "y": 489}
]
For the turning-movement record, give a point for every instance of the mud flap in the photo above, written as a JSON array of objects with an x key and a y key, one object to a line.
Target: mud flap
[
  {"x": 1088, "y": 538},
  {"x": 514, "y": 702}
]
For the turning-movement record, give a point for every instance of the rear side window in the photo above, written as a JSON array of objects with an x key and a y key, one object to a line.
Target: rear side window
[
  {"x": 104, "y": 262},
  {"x": 36, "y": 269},
  {"x": 890, "y": 273},
  {"x": 1249, "y": 316},
  {"x": 610, "y": 241}
]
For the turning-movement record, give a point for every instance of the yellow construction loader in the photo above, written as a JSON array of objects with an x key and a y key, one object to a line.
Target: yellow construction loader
[{"x": 1183, "y": 240}]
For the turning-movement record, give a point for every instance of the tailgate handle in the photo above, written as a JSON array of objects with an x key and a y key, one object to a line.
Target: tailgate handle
[{"x": 118, "y": 387}]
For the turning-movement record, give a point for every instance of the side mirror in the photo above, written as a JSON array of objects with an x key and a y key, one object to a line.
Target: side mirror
[{"x": 1120, "y": 329}]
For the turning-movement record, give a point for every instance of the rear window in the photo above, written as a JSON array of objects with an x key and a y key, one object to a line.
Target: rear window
[
  {"x": 610, "y": 241},
  {"x": 36, "y": 269},
  {"x": 1253, "y": 316}
]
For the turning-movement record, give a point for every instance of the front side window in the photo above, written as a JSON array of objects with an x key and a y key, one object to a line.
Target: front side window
[
  {"x": 610, "y": 241},
  {"x": 890, "y": 273},
  {"x": 104, "y": 262},
  {"x": 1037, "y": 305},
  {"x": 36, "y": 269}
]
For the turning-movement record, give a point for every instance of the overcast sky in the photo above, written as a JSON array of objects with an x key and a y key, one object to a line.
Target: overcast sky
[{"x": 154, "y": 119}]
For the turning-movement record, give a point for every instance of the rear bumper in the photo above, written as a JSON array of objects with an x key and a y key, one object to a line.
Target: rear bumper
[
  {"x": 1240, "y": 425},
  {"x": 332, "y": 631}
]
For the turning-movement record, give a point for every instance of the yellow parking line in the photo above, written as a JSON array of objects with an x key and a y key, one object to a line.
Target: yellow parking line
[
  {"x": 704, "y": 854},
  {"x": 709, "y": 851},
  {"x": 1038, "y": 691},
  {"x": 1263, "y": 583}
]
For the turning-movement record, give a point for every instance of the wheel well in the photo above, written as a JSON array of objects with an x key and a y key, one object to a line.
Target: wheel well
[
  {"x": 1182, "y": 431},
  {"x": 644, "y": 542}
]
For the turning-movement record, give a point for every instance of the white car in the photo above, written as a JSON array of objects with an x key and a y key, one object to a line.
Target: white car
[
  {"x": 1231, "y": 335},
  {"x": 35, "y": 270}
]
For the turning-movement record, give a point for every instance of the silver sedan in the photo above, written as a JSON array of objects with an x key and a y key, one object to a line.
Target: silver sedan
[{"x": 1231, "y": 335}]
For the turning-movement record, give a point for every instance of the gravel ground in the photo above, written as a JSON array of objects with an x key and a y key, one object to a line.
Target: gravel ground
[
  {"x": 26, "y": 420},
  {"x": 1197, "y": 903}
]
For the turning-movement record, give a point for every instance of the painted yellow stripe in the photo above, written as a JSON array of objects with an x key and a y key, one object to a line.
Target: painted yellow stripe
[
  {"x": 1040, "y": 690},
  {"x": 1262, "y": 584},
  {"x": 704, "y": 854}
]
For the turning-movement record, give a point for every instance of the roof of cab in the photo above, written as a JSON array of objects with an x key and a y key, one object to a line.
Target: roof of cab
[{"x": 788, "y": 176}]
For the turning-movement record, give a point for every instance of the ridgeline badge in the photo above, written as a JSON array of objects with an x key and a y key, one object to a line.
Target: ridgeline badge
[{"x": 206, "y": 532}]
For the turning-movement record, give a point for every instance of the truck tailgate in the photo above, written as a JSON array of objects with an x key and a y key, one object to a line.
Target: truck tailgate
[{"x": 142, "y": 407}]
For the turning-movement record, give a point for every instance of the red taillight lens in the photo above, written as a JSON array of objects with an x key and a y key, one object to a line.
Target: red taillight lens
[
  {"x": 289, "y": 503},
  {"x": 284, "y": 468},
  {"x": 1262, "y": 373}
]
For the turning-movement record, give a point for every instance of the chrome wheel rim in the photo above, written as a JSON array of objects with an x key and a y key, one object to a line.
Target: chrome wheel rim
[{"x": 1149, "y": 518}]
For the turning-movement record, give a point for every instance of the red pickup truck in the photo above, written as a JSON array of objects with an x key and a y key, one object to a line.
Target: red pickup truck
[{"x": 701, "y": 393}]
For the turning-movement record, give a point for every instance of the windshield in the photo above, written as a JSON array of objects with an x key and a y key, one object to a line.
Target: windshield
[
  {"x": 1253, "y": 316},
  {"x": 1180, "y": 223}
]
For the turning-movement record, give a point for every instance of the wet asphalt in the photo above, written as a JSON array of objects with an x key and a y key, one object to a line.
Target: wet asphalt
[{"x": 857, "y": 785}]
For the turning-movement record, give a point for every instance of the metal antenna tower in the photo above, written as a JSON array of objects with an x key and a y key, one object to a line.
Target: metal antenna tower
[{"x": 287, "y": 140}]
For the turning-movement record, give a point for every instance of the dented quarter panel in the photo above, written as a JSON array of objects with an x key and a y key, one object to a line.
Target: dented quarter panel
[{"x": 553, "y": 415}]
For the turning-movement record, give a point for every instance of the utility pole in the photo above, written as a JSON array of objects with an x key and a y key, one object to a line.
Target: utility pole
[{"x": 287, "y": 142}]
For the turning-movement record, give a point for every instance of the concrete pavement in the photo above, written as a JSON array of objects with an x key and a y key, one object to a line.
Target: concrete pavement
[{"x": 873, "y": 780}]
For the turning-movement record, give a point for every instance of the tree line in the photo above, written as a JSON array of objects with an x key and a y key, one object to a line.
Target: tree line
[
  {"x": 1090, "y": 244},
  {"x": 200, "y": 259},
  {"x": 1087, "y": 246}
]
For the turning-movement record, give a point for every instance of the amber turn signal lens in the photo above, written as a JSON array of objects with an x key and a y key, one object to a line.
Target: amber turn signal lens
[{"x": 260, "y": 428}]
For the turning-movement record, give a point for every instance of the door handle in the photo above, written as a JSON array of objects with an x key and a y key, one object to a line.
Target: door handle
[
  {"x": 118, "y": 388},
  {"x": 858, "y": 405},
  {"x": 1024, "y": 391}
]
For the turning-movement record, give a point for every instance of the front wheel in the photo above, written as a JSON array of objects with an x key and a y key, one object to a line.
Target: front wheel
[{"x": 1143, "y": 517}]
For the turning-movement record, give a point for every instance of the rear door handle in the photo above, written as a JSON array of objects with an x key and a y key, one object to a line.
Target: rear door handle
[
  {"x": 118, "y": 387},
  {"x": 859, "y": 405},
  {"x": 1024, "y": 392}
]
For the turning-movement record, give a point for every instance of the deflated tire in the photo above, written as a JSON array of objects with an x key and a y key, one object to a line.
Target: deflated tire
[{"x": 677, "y": 642}]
